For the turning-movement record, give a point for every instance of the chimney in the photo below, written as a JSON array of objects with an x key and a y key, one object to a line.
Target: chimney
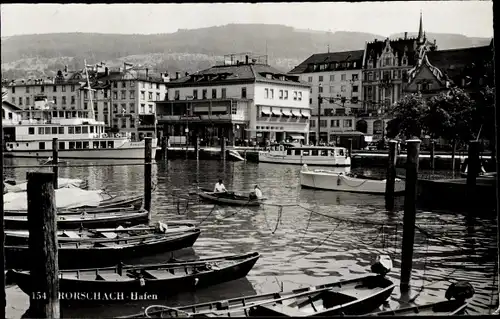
[
  {"x": 187, "y": 73},
  {"x": 106, "y": 71},
  {"x": 147, "y": 72},
  {"x": 66, "y": 69},
  {"x": 246, "y": 59},
  {"x": 406, "y": 35},
  {"x": 177, "y": 75}
]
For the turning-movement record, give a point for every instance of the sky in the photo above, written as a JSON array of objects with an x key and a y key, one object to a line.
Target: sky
[{"x": 470, "y": 18}]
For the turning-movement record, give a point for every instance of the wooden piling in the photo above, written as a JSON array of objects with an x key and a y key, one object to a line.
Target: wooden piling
[
  {"x": 473, "y": 167},
  {"x": 42, "y": 226},
  {"x": 55, "y": 161},
  {"x": 349, "y": 150},
  {"x": 148, "y": 150},
  {"x": 413, "y": 150},
  {"x": 197, "y": 148},
  {"x": 3, "y": 299},
  {"x": 391, "y": 175},
  {"x": 223, "y": 148},
  {"x": 433, "y": 145},
  {"x": 164, "y": 148}
]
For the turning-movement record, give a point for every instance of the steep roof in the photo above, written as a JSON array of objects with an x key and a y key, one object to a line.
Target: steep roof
[
  {"x": 399, "y": 46},
  {"x": 330, "y": 57}
]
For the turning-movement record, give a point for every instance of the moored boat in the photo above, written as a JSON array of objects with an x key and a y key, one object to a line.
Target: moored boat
[
  {"x": 15, "y": 186},
  {"x": 159, "y": 279},
  {"x": 329, "y": 180},
  {"x": 354, "y": 296},
  {"x": 229, "y": 198},
  {"x": 76, "y": 255},
  {"x": 105, "y": 235},
  {"x": 86, "y": 220},
  {"x": 293, "y": 153}
]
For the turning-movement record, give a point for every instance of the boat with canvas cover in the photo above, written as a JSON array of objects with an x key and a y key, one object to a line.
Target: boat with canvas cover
[
  {"x": 228, "y": 198},
  {"x": 348, "y": 182},
  {"x": 13, "y": 186},
  {"x": 341, "y": 297},
  {"x": 91, "y": 254},
  {"x": 105, "y": 235},
  {"x": 159, "y": 279}
]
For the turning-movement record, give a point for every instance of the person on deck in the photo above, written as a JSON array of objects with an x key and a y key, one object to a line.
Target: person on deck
[
  {"x": 257, "y": 193},
  {"x": 219, "y": 187}
]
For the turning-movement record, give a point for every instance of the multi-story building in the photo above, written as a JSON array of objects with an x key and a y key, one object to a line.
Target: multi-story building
[
  {"x": 385, "y": 70},
  {"x": 62, "y": 90},
  {"x": 335, "y": 80},
  {"x": 242, "y": 99},
  {"x": 124, "y": 98}
]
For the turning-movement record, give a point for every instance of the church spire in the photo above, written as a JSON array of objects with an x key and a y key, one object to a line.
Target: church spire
[{"x": 420, "y": 28}]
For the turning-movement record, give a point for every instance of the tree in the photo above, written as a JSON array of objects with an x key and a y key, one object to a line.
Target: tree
[{"x": 407, "y": 117}]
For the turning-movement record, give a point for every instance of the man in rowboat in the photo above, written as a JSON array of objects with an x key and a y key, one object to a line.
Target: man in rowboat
[
  {"x": 219, "y": 187},
  {"x": 257, "y": 193}
]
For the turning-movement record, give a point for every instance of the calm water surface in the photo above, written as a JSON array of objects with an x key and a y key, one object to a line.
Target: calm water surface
[{"x": 305, "y": 237}]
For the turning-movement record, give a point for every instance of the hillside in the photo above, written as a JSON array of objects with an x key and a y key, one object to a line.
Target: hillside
[{"x": 184, "y": 50}]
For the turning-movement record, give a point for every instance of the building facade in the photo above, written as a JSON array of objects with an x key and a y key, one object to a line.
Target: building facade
[
  {"x": 385, "y": 71},
  {"x": 335, "y": 80},
  {"x": 242, "y": 99}
]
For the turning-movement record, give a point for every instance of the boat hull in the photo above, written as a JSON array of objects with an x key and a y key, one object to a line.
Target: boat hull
[
  {"x": 343, "y": 183},
  {"x": 78, "y": 256},
  {"x": 228, "y": 200},
  {"x": 165, "y": 286},
  {"x": 442, "y": 308},
  {"x": 265, "y": 157},
  {"x": 115, "y": 153}
]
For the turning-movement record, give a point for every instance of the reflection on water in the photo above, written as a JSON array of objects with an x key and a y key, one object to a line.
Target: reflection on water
[{"x": 299, "y": 246}]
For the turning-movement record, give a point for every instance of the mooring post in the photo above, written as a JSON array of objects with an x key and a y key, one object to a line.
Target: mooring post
[
  {"x": 410, "y": 209},
  {"x": 223, "y": 148},
  {"x": 42, "y": 226},
  {"x": 433, "y": 145},
  {"x": 197, "y": 147},
  {"x": 349, "y": 150},
  {"x": 164, "y": 146},
  {"x": 391, "y": 175},
  {"x": 147, "y": 173},
  {"x": 55, "y": 161},
  {"x": 473, "y": 167}
]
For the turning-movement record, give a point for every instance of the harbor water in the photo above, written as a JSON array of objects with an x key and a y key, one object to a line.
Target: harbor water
[{"x": 305, "y": 237}]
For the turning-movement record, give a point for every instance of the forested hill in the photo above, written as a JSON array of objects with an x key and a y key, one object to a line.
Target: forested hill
[{"x": 184, "y": 50}]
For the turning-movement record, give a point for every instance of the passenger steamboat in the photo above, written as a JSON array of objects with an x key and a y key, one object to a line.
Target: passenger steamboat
[
  {"x": 30, "y": 133},
  {"x": 294, "y": 153}
]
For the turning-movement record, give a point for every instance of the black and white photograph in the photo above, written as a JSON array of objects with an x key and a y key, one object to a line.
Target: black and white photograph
[{"x": 240, "y": 159}]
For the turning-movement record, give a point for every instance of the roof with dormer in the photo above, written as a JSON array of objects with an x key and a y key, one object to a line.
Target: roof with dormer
[{"x": 330, "y": 58}]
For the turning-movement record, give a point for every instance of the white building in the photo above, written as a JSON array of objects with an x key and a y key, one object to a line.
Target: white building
[
  {"x": 241, "y": 99},
  {"x": 335, "y": 80}
]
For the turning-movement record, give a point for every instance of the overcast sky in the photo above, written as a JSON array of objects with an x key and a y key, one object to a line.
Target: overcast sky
[{"x": 470, "y": 18}]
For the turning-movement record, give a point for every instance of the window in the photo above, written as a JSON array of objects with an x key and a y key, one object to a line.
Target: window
[
  {"x": 151, "y": 109},
  {"x": 332, "y": 78},
  {"x": 63, "y": 100},
  {"x": 124, "y": 95},
  {"x": 124, "y": 84},
  {"x": 13, "y": 100},
  {"x": 61, "y": 145},
  {"x": 295, "y": 95},
  {"x": 48, "y": 131},
  {"x": 355, "y": 77},
  {"x": 347, "y": 123},
  {"x": 214, "y": 93},
  {"x": 320, "y": 89},
  {"x": 143, "y": 108},
  {"x": 14, "y": 89},
  {"x": 72, "y": 99},
  {"x": 115, "y": 95},
  {"x": 150, "y": 96},
  {"x": 354, "y": 88},
  {"x": 132, "y": 94},
  {"x": 61, "y": 130},
  {"x": 157, "y": 96},
  {"x": 20, "y": 101},
  {"x": 27, "y": 89},
  {"x": 31, "y": 130},
  {"x": 85, "y": 130},
  {"x": 195, "y": 94},
  {"x": 223, "y": 93},
  {"x": 286, "y": 94},
  {"x": 310, "y": 79},
  {"x": 387, "y": 61},
  {"x": 27, "y": 101},
  {"x": 41, "y": 131},
  {"x": 332, "y": 89},
  {"x": 312, "y": 123},
  {"x": 334, "y": 123},
  {"x": 115, "y": 108},
  {"x": 85, "y": 105},
  {"x": 300, "y": 96},
  {"x": 320, "y": 78},
  {"x": 78, "y": 130},
  {"x": 322, "y": 123},
  {"x": 106, "y": 94},
  {"x": 54, "y": 88},
  {"x": 234, "y": 109},
  {"x": 124, "y": 108},
  {"x": 150, "y": 85},
  {"x": 243, "y": 93},
  {"x": 281, "y": 95},
  {"x": 41, "y": 145},
  {"x": 266, "y": 93},
  {"x": 132, "y": 108},
  {"x": 177, "y": 95},
  {"x": 204, "y": 94},
  {"x": 342, "y": 88},
  {"x": 42, "y": 89},
  {"x": 310, "y": 101},
  {"x": 419, "y": 86},
  {"x": 132, "y": 84},
  {"x": 271, "y": 93},
  {"x": 342, "y": 77},
  {"x": 55, "y": 99},
  {"x": 63, "y": 88},
  {"x": 72, "y": 88}
]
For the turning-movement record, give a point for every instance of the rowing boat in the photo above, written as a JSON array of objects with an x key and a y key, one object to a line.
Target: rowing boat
[
  {"x": 349, "y": 297},
  {"x": 102, "y": 254},
  {"x": 158, "y": 279},
  {"x": 86, "y": 220},
  {"x": 228, "y": 198},
  {"x": 104, "y": 235}
]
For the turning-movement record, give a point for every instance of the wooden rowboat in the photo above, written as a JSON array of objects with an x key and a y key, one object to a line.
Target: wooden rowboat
[
  {"x": 86, "y": 220},
  {"x": 74, "y": 255},
  {"x": 159, "y": 279},
  {"x": 104, "y": 235},
  {"x": 229, "y": 198},
  {"x": 349, "y": 297}
]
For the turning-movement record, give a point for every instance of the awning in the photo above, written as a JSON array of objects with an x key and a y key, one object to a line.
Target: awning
[
  {"x": 286, "y": 112},
  {"x": 266, "y": 110},
  {"x": 297, "y": 137},
  {"x": 276, "y": 112},
  {"x": 201, "y": 109},
  {"x": 296, "y": 113},
  {"x": 306, "y": 113},
  {"x": 219, "y": 108}
]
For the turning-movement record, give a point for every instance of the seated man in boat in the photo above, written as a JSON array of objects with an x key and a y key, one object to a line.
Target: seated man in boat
[
  {"x": 219, "y": 187},
  {"x": 256, "y": 194}
]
